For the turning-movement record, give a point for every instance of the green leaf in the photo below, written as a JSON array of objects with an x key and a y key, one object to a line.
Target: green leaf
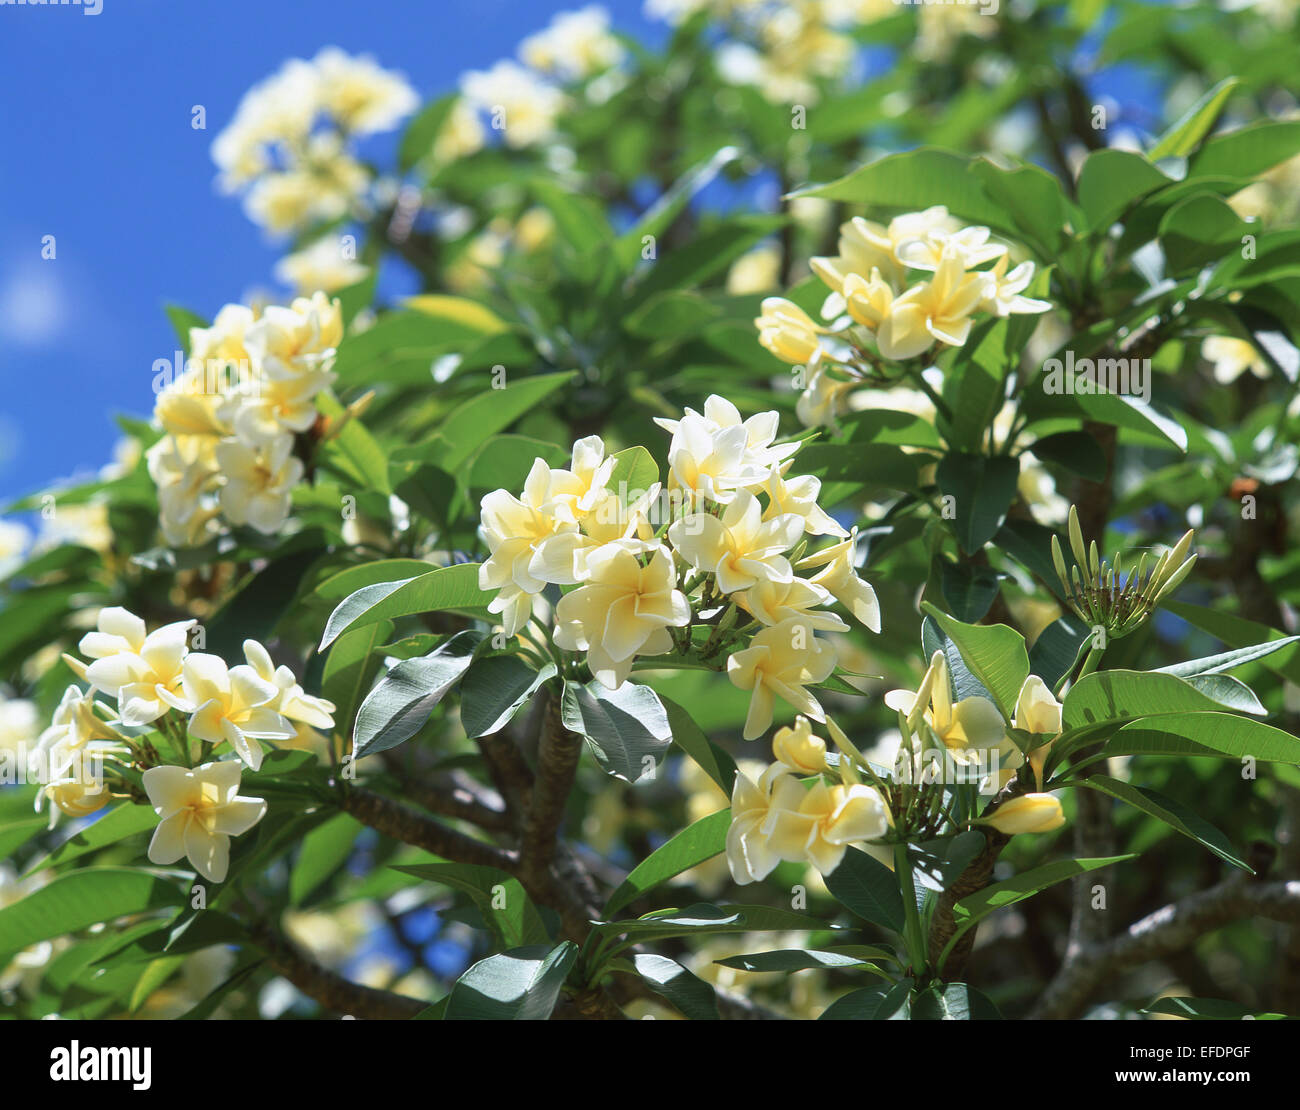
[
  {"x": 324, "y": 850},
  {"x": 338, "y": 586},
  {"x": 660, "y": 215},
  {"x": 759, "y": 919},
  {"x": 400, "y": 347},
  {"x": 1229, "y": 692},
  {"x": 205, "y": 1008},
  {"x": 350, "y": 667},
  {"x": 975, "y": 907},
  {"x": 982, "y": 490},
  {"x": 1128, "y": 695},
  {"x": 704, "y": 255},
  {"x": 688, "y": 736},
  {"x": 974, "y": 387},
  {"x": 500, "y": 898},
  {"x": 579, "y": 219},
  {"x": 494, "y": 689},
  {"x": 262, "y": 599},
  {"x": 872, "y": 1004},
  {"x": 635, "y": 471},
  {"x": 798, "y": 959},
  {"x": 403, "y": 699},
  {"x": 1078, "y": 452},
  {"x": 917, "y": 179},
  {"x": 691, "y": 995},
  {"x": 154, "y": 976},
  {"x": 446, "y": 589},
  {"x": 627, "y": 728},
  {"x": 1113, "y": 180},
  {"x": 890, "y": 426},
  {"x": 964, "y": 684},
  {"x": 1042, "y": 400},
  {"x": 17, "y": 833},
  {"x": 994, "y": 653},
  {"x": 1208, "y": 1009},
  {"x": 80, "y": 899},
  {"x": 117, "y": 824},
  {"x": 690, "y": 921},
  {"x": 937, "y": 864},
  {"x": 1224, "y": 661},
  {"x": 968, "y": 590},
  {"x": 503, "y": 461},
  {"x": 182, "y": 320},
  {"x": 520, "y": 985},
  {"x": 1209, "y": 734},
  {"x": 1057, "y": 649},
  {"x": 353, "y": 451},
  {"x": 492, "y": 411},
  {"x": 953, "y": 1002},
  {"x": 1237, "y": 632},
  {"x": 868, "y": 888},
  {"x": 422, "y": 131},
  {"x": 1193, "y": 125},
  {"x": 696, "y": 843},
  {"x": 1199, "y": 230},
  {"x": 1034, "y": 200},
  {"x": 1247, "y": 152},
  {"x": 1172, "y": 813}
]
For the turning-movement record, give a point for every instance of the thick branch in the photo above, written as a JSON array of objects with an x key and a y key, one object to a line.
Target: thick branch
[
  {"x": 452, "y": 799},
  {"x": 1168, "y": 930},
  {"x": 405, "y": 824},
  {"x": 328, "y": 988},
  {"x": 557, "y": 764}
]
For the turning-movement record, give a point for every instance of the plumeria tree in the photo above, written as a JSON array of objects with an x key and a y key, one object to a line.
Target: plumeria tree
[{"x": 812, "y": 541}]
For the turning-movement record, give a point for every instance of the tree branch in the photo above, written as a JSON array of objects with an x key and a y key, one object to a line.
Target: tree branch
[
  {"x": 1168, "y": 930},
  {"x": 557, "y": 765},
  {"x": 452, "y": 799},
  {"x": 328, "y": 988},
  {"x": 405, "y": 824}
]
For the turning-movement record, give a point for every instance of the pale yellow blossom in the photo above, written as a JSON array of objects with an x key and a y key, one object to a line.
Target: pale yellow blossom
[{"x": 200, "y": 810}]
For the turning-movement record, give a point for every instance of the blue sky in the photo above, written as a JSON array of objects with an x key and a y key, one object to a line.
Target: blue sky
[{"x": 98, "y": 151}]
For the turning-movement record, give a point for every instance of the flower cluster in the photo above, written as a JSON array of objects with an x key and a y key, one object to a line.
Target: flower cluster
[
  {"x": 784, "y": 49},
  {"x": 707, "y": 566},
  {"x": 80, "y": 759},
  {"x": 524, "y": 101},
  {"x": 288, "y": 145},
  {"x": 896, "y": 291},
  {"x": 150, "y": 673},
  {"x": 970, "y": 733},
  {"x": 230, "y": 418},
  {"x": 780, "y": 815},
  {"x": 783, "y": 817}
]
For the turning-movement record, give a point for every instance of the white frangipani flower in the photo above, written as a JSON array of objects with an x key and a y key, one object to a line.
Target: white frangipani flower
[
  {"x": 739, "y": 548},
  {"x": 200, "y": 810},
  {"x": 623, "y": 610},
  {"x": 234, "y": 705}
]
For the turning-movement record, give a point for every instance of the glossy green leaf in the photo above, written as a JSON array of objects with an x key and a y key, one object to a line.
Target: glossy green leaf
[
  {"x": 1172, "y": 813},
  {"x": 868, "y": 888},
  {"x": 445, "y": 589},
  {"x": 994, "y": 653},
  {"x": 402, "y": 700},
  {"x": 520, "y": 985},
  {"x": 626, "y": 728},
  {"x": 696, "y": 843},
  {"x": 80, "y": 899}
]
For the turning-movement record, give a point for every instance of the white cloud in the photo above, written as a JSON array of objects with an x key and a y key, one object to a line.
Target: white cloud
[{"x": 33, "y": 304}]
